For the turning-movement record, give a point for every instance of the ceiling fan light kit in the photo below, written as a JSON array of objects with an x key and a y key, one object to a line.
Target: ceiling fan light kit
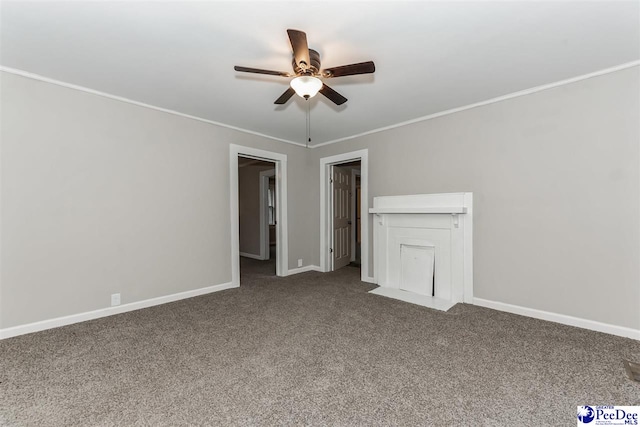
[
  {"x": 306, "y": 69},
  {"x": 306, "y": 86}
]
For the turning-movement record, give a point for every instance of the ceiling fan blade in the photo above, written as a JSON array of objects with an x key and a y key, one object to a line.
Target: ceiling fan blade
[
  {"x": 285, "y": 96},
  {"x": 300, "y": 48},
  {"x": 334, "y": 96},
  {"x": 350, "y": 70},
  {"x": 259, "y": 71}
]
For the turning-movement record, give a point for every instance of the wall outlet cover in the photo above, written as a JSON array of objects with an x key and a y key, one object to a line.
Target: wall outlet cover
[
  {"x": 115, "y": 300},
  {"x": 300, "y": 262}
]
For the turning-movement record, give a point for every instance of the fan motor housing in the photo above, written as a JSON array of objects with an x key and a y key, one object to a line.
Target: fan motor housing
[{"x": 314, "y": 67}]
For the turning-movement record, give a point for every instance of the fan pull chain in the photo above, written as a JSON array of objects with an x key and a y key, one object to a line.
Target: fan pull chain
[{"x": 308, "y": 124}]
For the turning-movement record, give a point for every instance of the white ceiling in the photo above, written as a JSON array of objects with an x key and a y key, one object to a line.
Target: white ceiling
[{"x": 430, "y": 56}]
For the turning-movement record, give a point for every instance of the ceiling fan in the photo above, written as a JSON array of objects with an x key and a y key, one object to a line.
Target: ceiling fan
[{"x": 306, "y": 69}]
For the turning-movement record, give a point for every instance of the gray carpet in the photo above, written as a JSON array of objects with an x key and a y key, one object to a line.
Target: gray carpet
[{"x": 310, "y": 349}]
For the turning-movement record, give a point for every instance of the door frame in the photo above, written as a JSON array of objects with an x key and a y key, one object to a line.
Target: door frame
[
  {"x": 282, "y": 241},
  {"x": 264, "y": 217},
  {"x": 326, "y": 218}
]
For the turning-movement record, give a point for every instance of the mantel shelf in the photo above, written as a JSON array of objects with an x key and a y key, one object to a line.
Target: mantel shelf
[{"x": 422, "y": 210}]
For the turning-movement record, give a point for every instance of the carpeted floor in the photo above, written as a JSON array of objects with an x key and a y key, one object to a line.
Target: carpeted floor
[{"x": 310, "y": 349}]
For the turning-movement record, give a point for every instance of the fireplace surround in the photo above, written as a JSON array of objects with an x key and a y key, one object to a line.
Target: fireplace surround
[{"x": 423, "y": 248}]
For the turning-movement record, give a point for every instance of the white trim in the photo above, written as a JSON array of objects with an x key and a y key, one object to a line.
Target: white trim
[
  {"x": 354, "y": 213},
  {"x": 486, "y": 102},
  {"x": 304, "y": 269},
  {"x": 369, "y": 279},
  {"x": 560, "y": 318},
  {"x": 1, "y": 300},
  {"x": 282, "y": 239},
  {"x": 333, "y": 141},
  {"x": 325, "y": 214},
  {"x": 468, "y": 249},
  {"x": 453, "y": 212},
  {"x": 330, "y": 215},
  {"x": 109, "y": 311},
  {"x": 264, "y": 217},
  {"x": 252, "y": 256},
  {"x": 139, "y": 104},
  {"x": 424, "y": 210}
]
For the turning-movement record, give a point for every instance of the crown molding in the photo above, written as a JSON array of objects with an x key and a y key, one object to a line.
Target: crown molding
[
  {"x": 487, "y": 102},
  {"x": 33, "y": 76},
  {"x": 334, "y": 141}
]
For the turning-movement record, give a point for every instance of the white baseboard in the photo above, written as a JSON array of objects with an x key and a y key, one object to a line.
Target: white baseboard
[
  {"x": 303, "y": 269},
  {"x": 247, "y": 255},
  {"x": 621, "y": 331},
  {"x": 369, "y": 279},
  {"x": 109, "y": 311}
]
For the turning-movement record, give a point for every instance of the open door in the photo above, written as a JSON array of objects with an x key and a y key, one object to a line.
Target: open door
[
  {"x": 341, "y": 217},
  {"x": 327, "y": 232}
]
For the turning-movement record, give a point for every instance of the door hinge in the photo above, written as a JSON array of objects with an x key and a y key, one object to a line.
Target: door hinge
[
  {"x": 330, "y": 250},
  {"x": 330, "y": 180}
]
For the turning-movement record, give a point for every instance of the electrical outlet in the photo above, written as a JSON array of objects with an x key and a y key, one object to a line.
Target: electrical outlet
[
  {"x": 115, "y": 300},
  {"x": 300, "y": 262}
]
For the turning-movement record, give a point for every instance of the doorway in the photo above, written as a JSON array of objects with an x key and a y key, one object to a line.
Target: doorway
[
  {"x": 346, "y": 200},
  {"x": 340, "y": 187},
  {"x": 236, "y": 154},
  {"x": 257, "y": 217}
]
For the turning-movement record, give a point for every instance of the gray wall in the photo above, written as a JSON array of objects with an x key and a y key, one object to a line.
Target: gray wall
[
  {"x": 556, "y": 192},
  {"x": 101, "y": 196},
  {"x": 249, "y": 207}
]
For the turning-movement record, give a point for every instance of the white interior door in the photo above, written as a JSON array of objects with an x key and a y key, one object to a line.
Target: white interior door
[{"x": 341, "y": 217}]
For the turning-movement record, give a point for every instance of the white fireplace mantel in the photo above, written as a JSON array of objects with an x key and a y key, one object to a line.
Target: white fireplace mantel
[
  {"x": 423, "y": 210},
  {"x": 423, "y": 247}
]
